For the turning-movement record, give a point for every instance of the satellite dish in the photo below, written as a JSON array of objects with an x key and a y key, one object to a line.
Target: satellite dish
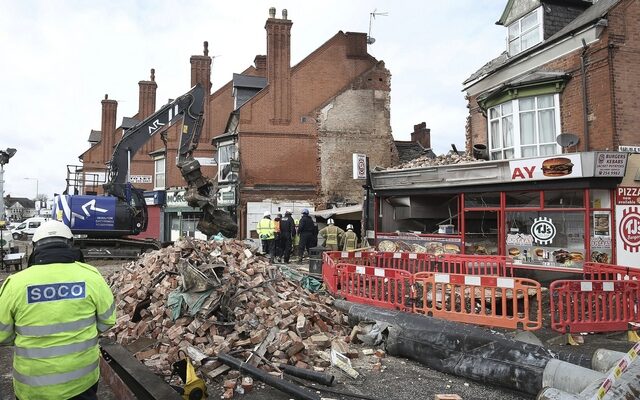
[
  {"x": 566, "y": 140},
  {"x": 370, "y": 40}
]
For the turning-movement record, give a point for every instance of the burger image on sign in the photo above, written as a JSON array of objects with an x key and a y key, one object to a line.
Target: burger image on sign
[{"x": 557, "y": 166}]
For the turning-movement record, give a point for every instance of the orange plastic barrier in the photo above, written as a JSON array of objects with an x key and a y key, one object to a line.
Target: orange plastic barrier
[
  {"x": 482, "y": 300},
  {"x": 410, "y": 262},
  {"x": 477, "y": 265},
  {"x": 380, "y": 287},
  {"x": 331, "y": 259},
  {"x": 609, "y": 272},
  {"x": 594, "y": 306}
]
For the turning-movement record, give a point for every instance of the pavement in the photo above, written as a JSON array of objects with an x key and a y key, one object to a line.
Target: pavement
[{"x": 398, "y": 379}]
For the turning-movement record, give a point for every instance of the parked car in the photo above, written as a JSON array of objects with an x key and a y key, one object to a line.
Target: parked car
[{"x": 27, "y": 228}]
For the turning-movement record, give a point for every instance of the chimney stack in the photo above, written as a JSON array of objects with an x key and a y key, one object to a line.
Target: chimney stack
[
  {"x": 422, "y": 135},
  {"x": 260, "y": 63},
  {"x": 108, "y": 127},
  {"x": 279, "y": 65},
  {"x": 201, "y": 70},
  {"x": 147, "y": 96}
]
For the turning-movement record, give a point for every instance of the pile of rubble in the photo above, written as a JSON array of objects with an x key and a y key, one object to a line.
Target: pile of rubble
[
  {"x": 230, "y": 300},
  {"x": 444, "y": 159}
]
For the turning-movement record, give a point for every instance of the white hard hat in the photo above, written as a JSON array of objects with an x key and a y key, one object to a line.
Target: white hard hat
[
  {"x": 349, "y": 226},
  {"x": 330, "y": 221},
  {"x": 52, "y": 229},
  {"x": 266, "y": 214}
]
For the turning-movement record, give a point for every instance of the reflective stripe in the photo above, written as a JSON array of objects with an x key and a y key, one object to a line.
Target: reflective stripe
[
  {"x": 103, "y": 327},
  {"x": 9, "y": 340},
  {"x": 107, "y": 314},
  {"x": 55, "y": 351},
  {"x": 55, "y": 328},
  {"x": 54, "y": 379},
  {"x": 6, "y": 328}
]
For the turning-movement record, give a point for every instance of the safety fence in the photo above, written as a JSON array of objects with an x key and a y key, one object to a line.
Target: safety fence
[
  {"x": 594, "y": 305},
  {"x": 482, "y": 290},
  {"x": 433, "y": 285}
]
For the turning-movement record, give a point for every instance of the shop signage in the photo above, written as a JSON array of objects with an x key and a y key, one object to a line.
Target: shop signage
[
  {"x": 226, "y": 197},
  {"x": 542, "y": 168},
  {"x": 628, "y": 196},
  {"x": 628, "y": 229},
  {"x": 176, "y": 199},
  {"x": 611, "y": 164},
  {"x": 140, "y": 179},
  {"x": 543, "y": 230},
  {"x": 629, "y": 149},
  {"x": 519, "y": 239},
  {"x": 359, "y": 166}
]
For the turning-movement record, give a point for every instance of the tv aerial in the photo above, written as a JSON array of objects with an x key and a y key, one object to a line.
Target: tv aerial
[
  {"x": 566, "y": 140},
  {"x": 372, "y": 16}
]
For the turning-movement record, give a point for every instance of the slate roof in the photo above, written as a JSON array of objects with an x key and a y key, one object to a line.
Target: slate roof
[
  {"x": 95, "y": 136},
  {"x": 408, "y": 150},
  {"x": 590, "y": 15},
  {"x": 128, "y": 122},
  {"x": 23, "y": 201},
  {"x": 249, "y": 81}
]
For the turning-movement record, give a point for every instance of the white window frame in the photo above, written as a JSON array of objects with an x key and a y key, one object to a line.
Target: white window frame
[
  {"x": 159, "y": 177},
  {"x": 539, "y": 14},
  {"x": 222, "y": 164},
  {"x": 516, "y": 147}
]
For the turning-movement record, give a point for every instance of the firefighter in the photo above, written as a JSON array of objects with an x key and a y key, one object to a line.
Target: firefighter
[
  {"x": 267, "y": 233},
  {"x": 53, "y": 313},
  {"x": 332, "y": 235},
  {"x": 349, "y": 239}
]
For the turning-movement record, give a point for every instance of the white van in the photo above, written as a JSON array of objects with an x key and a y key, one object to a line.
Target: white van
[{"x": 28, "y": 227}]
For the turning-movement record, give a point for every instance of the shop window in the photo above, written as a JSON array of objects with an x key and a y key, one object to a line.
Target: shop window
[
  {"x": 524, "y": 127},
  {"x": 525, "y": 32},
  {"x": 482, "y": 200},
  {"x": 481, "y": 232},
  {"x": 523, "y": 199},
  {"x": 600, "y": 237},
  {"x": 564, "y": 199},
  {"x": 600, "y": 198},
  {"x": 547, "y": 238},
  {"x": 159, "y": 174}
]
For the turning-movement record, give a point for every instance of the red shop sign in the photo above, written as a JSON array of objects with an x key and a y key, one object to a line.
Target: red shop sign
[{"x": 628, "y": 196}]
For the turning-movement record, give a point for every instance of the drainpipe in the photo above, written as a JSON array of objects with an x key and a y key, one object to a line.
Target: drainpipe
[{"x": 585, "y": 106}]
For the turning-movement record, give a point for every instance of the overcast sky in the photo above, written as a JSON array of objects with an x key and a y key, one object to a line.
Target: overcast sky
[{"x": 58, "y": 58}]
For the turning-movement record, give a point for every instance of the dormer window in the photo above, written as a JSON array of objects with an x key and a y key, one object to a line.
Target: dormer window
[{"x": 525, "y": 32}]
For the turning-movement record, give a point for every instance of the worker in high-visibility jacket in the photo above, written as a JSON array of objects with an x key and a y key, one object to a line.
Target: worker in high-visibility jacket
[
  {"x": 332, "y": 235},
  {"x": 349, "y": 239},
  {"x": 266, "y": 229},
  {"x": 53, "y": 312}
]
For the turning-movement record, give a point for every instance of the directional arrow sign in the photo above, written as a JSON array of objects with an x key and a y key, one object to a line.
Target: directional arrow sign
[{"x": 91, "y": 205}]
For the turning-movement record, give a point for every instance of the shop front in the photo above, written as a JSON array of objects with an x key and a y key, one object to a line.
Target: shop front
[
  {"x": 544, "y": 221},
  {"x": 180, "y": 220}
]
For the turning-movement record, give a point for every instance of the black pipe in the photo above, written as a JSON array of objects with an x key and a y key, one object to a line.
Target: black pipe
[
  {"x": 280, "y": 384},
  {"x": 319, "y": 377},
  {"x": 585, "y": 105},
  {"x": 464, "y": 350}
]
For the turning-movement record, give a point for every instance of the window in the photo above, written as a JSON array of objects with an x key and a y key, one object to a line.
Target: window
[
  {"x": 226, "y": 153},
  {"x": 525, "y": 32},
  {"x": 159, "y": 174},
  {"x": 525, "y": 127}
]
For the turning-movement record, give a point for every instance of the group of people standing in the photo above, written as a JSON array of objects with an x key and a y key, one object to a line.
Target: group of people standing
[{"x": 283, "y": 235}]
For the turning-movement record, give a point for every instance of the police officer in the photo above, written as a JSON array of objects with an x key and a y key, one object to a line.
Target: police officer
[
  {"x": 349, "y": 239},
  {"x": 332, "y": 235},
  {"x": 307, "y": 232},
  {"x": 53, "y": 313},
  {"x": 266, "y": 229},
  {"x": 287, "y": 233}
]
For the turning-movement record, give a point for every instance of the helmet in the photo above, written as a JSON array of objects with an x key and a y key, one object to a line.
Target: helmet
[
  {"x": 287, "y": 212},
  {"x": 52, "y": 229},
  {"x": 305, "y": 211},
  {"x": 267, "y": 214},
  {"x": 349, "y": 227},
  {"x": 330, "y": 221}
]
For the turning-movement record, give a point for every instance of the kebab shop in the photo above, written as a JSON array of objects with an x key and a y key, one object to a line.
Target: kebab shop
[{"x": 552, "y": 213}]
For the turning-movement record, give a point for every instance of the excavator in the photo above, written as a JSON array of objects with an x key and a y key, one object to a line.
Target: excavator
[{"x": 103, "y": 224}]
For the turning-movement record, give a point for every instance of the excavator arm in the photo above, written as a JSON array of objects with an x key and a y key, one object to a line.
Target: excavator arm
[{"x": 201, "y": 191}]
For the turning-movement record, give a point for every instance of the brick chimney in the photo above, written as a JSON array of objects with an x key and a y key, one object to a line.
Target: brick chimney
[
  {"x": 147, "y": 96},
  {"x": 260, "y": 63},
  {"x": 279, "y": 65},
  {"x": 356, "y": 45},
  {"x": 201, "y": 69},
  {"x": 422, "y": 135},
  {"x": 108, "y": 127}
]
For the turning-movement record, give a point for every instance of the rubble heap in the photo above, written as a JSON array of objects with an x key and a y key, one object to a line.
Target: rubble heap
[
  {"x": 251, "y": 311},
  {"x": 443, "y": 159}
]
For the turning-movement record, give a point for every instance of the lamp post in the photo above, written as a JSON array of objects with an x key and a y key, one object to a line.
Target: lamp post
[
  {"x": 34, "y": 179},
  {"x": 5, "y": 155}
]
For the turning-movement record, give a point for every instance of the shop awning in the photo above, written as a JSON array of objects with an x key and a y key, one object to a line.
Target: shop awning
[{"x": 349, "y": 212}]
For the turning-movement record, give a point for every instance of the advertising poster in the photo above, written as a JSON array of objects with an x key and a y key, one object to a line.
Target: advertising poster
[
  {"x": 627, "y": 229},
  {"x": 542, "y": 168}
]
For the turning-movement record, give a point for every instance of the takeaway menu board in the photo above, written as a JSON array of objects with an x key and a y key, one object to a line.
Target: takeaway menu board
[
  {"x": 419, "y": 244},
  {"x": 628, "y": 196}
]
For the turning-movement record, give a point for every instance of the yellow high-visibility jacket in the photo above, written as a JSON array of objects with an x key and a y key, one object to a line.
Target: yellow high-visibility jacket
[
  {"x": 266, "y": 229},
  {"x": 349, "y": 241},
  {"x": 53, "y": 313},
  {"x": 332, "y": 234}
]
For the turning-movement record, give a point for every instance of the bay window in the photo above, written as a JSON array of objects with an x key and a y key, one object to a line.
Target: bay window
[
  {"x": 524, "y": 127},
  {"x": 226, "y": 153},
  {"x": 159, "y": 174}
]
